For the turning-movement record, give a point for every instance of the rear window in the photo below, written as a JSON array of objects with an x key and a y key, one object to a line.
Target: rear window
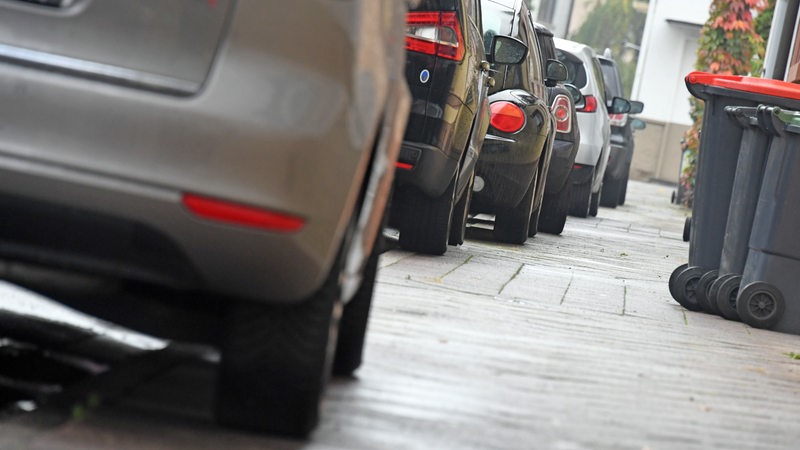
[
  {"x": 576, "y": 72},
  {"x": 497, "y": 20},
  {"x": 611, "y": 78}
]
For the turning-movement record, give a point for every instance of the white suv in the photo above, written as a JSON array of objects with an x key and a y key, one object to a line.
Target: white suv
[{"x": 590, "y": 163}]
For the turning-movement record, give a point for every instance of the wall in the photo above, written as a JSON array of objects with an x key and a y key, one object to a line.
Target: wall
[{"x": 668, "y": 53}]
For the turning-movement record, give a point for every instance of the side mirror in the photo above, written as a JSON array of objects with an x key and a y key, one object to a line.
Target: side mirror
[
  {"x": 619, "y": 105},
  {"x": 577, "y": 97},
  {"x": 636, "y": 107},
  {"x": 556, "y": 72},
  {"x": 638, "y": 124},
  {"x": 507, "y": 50}
]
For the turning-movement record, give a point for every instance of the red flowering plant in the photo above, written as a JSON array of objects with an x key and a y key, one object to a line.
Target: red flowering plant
[{"x": 729, "y": 45}]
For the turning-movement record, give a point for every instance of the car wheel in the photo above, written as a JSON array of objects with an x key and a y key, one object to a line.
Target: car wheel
[
  {"x": 610, "y": 193},
  {"x": 581, "y": 198},
  {"x": 511, "y": 224},
  {"x": 623, "y": 187},
  {"x": 276, "y": 362},
  {"x": 594, "y": 202},
  {"x": 425, "y": 222},
  {"x": 353, "y": 325},
  {"x": 555, "y": 209},
  {"x": 458, "y": 226}
]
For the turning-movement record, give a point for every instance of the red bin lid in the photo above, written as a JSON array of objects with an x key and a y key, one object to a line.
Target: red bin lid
[{"x": 765, "y": 86}]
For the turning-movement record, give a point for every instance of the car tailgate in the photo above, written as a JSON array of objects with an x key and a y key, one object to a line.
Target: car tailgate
[{"x": 165, "y": 46}]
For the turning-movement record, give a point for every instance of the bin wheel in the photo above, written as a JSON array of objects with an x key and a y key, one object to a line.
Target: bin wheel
[
  {"x": 760, "y": 305},
  {"x": 686, "y": 283},
  {"x": 704, "y": 291},
  {"x": 673, "y": 287},
  {"x": 724, "y": 292},
  {"x": 687, "y": 229}
]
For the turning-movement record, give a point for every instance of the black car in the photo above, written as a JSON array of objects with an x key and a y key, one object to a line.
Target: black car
[
  {"x": 615, "y": 180},
  {"x": 448, "y": 74},
  {"x": 516, "y": 152},
  {"x": 555, "y": 206}
]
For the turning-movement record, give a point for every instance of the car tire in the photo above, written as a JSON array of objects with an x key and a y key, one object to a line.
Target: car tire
[
  {"x": 511, "y": 224},
  {"x": 623, "y": 187},
  {"x": 276, "y": 362},
  {"x": 458, "y": 226},
  {"x": 610, "y": 193},
  {"x": 425, "y": 223},
  {"x": 594, "y": 202},
  {"x": 353, "y": 324},
  {"x": 581, "y": 198},
  {"x": 555, "y": 209}
]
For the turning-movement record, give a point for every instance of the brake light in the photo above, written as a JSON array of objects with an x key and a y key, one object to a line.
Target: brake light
[
  {"x": 618, "y": 120},
  {"x": 435, "y": 33},
  {"x": 506, "y": 117},
  {"x": 238, "y": 214},
  {"x": 404, "y": 166},
  {"x": 590, "y": 105},
  {"x": 562, "y": 111}
]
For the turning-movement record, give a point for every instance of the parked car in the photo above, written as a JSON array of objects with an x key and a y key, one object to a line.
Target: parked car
[
  {"x": 448, "y": 76},
  {"x": 209, "y": 150},
  {"x": 592, "y": 159},
  {"x": 615, "y": 180},
  {"x": 515, "y": 156},
  {"x": 566, "y": 140}
]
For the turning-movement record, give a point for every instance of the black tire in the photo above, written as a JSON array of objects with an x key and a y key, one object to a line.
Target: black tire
[
  {"x": 727, "y": 289},
  {"x": 511, "y": 224},
  {"x": 687, "y": 229},
  {"x": 276, "y": 361},
  {"x": 623, "y": 187},
  {"x": 353, "y": 325},
  {"x": 581, "y": 198},
  {"x": 686, "y": 283},
  {"x": 458, "y": 226},
  {"x": 610, "y": 193},
  {"x": 555, "y": 209},
  {"x": 594, "y": 202},
  {"x": 760, "y": 305},
  {"x": 673, "y": 277},
  {"x": 425, "y": 223},
  {"x": 704, "y": 291}
]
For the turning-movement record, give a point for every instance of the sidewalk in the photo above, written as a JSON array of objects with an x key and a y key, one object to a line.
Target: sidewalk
[
  {"x": 573, "y": 342},
  {"x": 568, "y": 342}
]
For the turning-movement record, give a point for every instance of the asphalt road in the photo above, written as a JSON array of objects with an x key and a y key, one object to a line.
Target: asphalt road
[{"x": 568, "y": 342}]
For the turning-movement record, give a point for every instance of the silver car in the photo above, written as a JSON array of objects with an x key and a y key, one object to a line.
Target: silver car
[
  {"x": 213, "y": 147},
  {"x": 593, "y": 120}
]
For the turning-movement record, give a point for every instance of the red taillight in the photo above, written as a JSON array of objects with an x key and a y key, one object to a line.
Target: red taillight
[
  {"x": 435, "y": 33},
  {"x": 562, "y": 111},
  {"x": 507, "y": 117},
  {"x": 617, "y": 120},
  {"x": 404, "y": 166},
  {"x": 238, "y": 214},
  {"x": 590, "y": 104}
]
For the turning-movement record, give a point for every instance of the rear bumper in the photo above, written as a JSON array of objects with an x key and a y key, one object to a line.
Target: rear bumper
[
  {"x": 561, "y": 163},
  {"x": 425, "y": 166},
  {"x": 617, "y": 163}
]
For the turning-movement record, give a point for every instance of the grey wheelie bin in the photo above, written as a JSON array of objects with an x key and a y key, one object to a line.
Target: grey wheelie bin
[
  {"x": 717, "y": 289},
  {"x": 720, "y": 140},
  {"x": 771, "y": 280}
]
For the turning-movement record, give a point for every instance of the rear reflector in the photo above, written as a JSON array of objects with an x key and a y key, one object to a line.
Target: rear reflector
[
  {"x": 237, "y": 214},
  {"x": 404, "y": 166},
  {"x": 562, "y": 111},
  {"x": 506, "y": 117},
  {"x": 435, "y": 33},
  {"x": 591, "y": 104}
]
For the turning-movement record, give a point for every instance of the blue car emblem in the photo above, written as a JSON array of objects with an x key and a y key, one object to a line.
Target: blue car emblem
[{"x": 424, "y": 76}]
